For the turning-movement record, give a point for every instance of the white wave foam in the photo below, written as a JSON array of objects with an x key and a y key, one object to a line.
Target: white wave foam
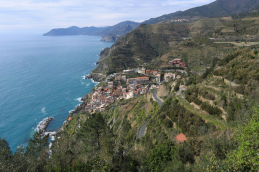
[
  {"x": 43, "y": 110},
  {"x": 40, "y": 123},
  {"x": 71, "y": 111},
  {"x": 79, "y": 99},
  {"x": 94, "y": 82},
  {"x": 87, "y": 84}
]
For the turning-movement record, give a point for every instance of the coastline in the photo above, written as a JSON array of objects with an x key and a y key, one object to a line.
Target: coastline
[
  {"x": 42, "y": 126},
  {"x": 95, "y": 78}
]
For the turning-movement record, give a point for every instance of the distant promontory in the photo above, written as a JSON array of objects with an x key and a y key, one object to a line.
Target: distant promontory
[{"x": 109, "y": 33}]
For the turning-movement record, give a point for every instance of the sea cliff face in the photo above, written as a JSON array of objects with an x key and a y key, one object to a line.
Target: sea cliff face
[
  {"x": 110, "y": 38},
  {"x": 96, "y": 77}
]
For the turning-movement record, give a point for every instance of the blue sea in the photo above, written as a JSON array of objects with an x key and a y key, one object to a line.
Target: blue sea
[{"x": 41, "y": 77}]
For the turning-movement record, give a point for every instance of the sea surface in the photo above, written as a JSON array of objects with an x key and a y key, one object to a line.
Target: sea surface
[{"x": 40, "y": 77}]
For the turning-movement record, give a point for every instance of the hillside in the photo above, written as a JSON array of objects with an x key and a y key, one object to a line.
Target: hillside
[
  {"x": 204, "y": 119},
  {"x": 155, "y": 45},
  {"x": 161, "y": 18},
  {"x": 142, "y": 45},
  {"x": 218, "y": 8},
  {"x": 109, "y": 33},
  {"x": 217, "y": 115}
]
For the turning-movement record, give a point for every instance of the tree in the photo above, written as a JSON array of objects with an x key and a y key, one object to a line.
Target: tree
[
  {"x": 37, "y": 144},
  {"x": 246, "y": 156},
  {"x": 5, "y": 155},
  {"x": 37, "y": 152},
  {"x": 92, "y": 130},
  {"x": 159, "y": 156}
]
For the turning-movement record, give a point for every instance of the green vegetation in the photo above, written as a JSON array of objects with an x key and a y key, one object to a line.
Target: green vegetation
[{"x": 218, "y": 113}]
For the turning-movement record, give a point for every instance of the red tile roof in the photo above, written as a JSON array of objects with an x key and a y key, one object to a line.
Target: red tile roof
[
  {"x": 70, "y": 118},
  {"x": 145, "y": 77},
  {"x": 180, "y": 137}
]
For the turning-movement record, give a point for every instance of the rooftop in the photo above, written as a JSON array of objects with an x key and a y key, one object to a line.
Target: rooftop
[
  {"x": 144, "y": 77},
  {"x": 180, "y": 137}
]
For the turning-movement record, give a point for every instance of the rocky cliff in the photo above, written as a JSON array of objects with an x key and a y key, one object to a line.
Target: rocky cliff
[
  {"x": 110, "y": 38},
  {"x": 97, "y": 77}
]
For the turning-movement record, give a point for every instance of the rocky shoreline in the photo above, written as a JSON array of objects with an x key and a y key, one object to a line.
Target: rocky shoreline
[
  {"x": 97, "y": 77},
  {"x": 43, "y": 125}
]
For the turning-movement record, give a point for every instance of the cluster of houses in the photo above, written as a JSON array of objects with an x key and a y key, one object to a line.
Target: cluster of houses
[
  {"x": 114, "y": 90},
  {"x": 178, "y": 63},
  {"x": 107, "y": 95},
  {"x": 180, "y": 20}
]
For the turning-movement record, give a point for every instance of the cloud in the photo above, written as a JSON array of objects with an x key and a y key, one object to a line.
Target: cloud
[{"x": 48, "y": 14}]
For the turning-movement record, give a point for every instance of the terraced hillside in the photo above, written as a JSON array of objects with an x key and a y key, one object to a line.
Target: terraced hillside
[
  {"x": 142, "y": 45},
  {"x": 194, "y": 42}
]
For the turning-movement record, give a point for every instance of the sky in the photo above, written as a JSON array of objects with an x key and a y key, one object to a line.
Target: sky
[{"x": 40, "y": 16}]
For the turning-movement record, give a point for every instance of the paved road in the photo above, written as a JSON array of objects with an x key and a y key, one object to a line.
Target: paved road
[
  {"x": 141, "y": 131},
  {"x": 158, "y": 100}
]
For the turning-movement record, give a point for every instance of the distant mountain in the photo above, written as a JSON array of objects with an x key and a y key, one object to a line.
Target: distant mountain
[
  {"x": 75, "y": 31},
  {"x": 252, "y": 13},
  {"x": 161, "y": 18},
  {"x": 109, "y": 33},
  {"x": 217, "y": 8}
]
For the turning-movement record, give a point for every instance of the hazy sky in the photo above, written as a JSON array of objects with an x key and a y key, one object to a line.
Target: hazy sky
[{"x": 42, "y": 15}]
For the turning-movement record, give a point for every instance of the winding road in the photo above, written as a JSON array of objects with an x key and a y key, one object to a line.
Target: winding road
[
  {"x": 141, "y": 131},
  {"x": 158, "y": 100}
]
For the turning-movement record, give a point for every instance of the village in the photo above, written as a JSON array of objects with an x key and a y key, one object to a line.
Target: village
[{"x": 128, "y": 84}]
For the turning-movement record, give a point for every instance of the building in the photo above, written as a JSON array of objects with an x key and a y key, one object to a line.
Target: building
[
  {"x": 136, "y": 70},
  {"x": 167, "y": 76},
  {"x": 87, "y": 107},
  {"x": 95, "y": 95},
  {"x": 178, "y": 63},
  {"x": 130, "y": 81},
  {"x": 180, "y": 137},
  {"x": 158, "y": 78},
  {"x": 142, "y": 70},
  {"x": 124, "y": 78},
  {"x": 129, "y": 71},
  {"x": 142, "y": 79},
  {"x": 154, "y": 72},
  {"x": 147, "y": 72},
  {"x": 178, "y": 77},
  {"x": 110, "y": 84},
  {"x": 130, "y": 95}
]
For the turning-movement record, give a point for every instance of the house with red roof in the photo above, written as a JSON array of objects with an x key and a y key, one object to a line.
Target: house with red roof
[{"x": 180, "y": 137}]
